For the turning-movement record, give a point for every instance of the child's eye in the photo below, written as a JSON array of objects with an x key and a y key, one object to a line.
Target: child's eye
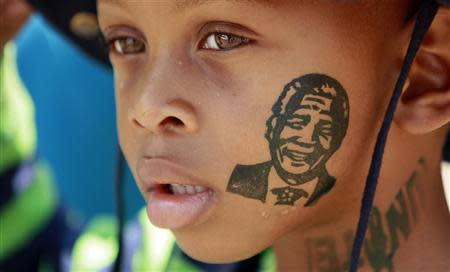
[
  {"x": 224, "y": 41},
  {"x": 127, "y": 45}
]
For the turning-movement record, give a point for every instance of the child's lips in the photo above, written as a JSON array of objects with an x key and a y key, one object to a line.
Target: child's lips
[
  {"x": 178, "y": 211},
  {"x": 175, "y": 198}
]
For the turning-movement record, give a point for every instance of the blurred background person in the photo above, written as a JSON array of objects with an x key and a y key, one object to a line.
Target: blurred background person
[
  {"x": 36, "y": 232},
  {"x": 45, "y": 78},
  {"x": 75, "y": 118}
]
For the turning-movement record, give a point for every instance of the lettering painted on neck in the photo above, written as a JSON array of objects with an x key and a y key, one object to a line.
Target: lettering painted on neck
[{"x": 385, "y": 232}]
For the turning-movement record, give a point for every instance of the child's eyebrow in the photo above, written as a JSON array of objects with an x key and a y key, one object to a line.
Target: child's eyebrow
[{"x": 182, "y": 5}]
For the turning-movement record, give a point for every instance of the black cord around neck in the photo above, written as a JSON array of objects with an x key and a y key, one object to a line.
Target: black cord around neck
[{"x": 425, "y": 17}]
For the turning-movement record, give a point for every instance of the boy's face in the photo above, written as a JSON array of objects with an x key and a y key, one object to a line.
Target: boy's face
[{"x": 196, "y": 82}]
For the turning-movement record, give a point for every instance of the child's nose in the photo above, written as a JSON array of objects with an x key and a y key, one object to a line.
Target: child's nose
[
  {"x": 164, "y": 104},
  {"x": 176, "y": 116}
]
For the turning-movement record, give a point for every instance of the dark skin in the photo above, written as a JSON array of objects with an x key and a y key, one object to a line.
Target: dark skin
[
  {"x": 307, "y": 126},
  {"x": 422, "y": 118},
  {"x": 205, "y": 109},
  {"x": 387, "y": 230}
]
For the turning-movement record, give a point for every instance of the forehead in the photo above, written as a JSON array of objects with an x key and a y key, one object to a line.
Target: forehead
[
  {"x": 181, "y": 5},
  {"x": 315, "y": 102}
]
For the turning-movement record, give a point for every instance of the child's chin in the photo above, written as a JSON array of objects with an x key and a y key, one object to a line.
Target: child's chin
[
  {"x": 218, "y": 257},
  {"x": 207, "y": 254}
]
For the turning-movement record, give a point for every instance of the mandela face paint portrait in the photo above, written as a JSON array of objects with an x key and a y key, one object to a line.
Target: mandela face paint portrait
[{"x": 307, "y": 126}]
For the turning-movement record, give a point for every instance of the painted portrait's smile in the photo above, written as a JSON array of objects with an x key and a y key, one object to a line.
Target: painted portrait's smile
[
  {"x": 306, "y": 135},
  {"x": 296, "y": 156},
  {"x": 301, "y": 139}
]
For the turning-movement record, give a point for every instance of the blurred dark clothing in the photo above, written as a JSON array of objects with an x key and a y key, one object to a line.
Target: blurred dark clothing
[
  {"x": 49, "y": 250},
  {"x": 77, "y": 21},
  {"x": 35, "y": 230}
]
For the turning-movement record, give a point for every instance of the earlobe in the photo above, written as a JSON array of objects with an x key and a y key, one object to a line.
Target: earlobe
[{"x": 425, "y": 101}]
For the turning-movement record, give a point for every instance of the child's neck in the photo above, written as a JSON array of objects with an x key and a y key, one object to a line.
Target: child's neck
[{"x": 409, "y": 228}]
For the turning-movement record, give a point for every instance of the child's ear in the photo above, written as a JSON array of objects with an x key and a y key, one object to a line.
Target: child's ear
[{"x": 425, "y": 102}]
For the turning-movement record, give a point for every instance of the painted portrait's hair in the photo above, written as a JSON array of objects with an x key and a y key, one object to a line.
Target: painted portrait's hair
[{"x": 290, "y": 101}]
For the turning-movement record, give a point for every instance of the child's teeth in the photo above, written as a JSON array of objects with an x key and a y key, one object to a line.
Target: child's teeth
[
  {"x": 189, "y": 189},
  {"x": 174, "y": 188},
  {"x": 178, "y": 189},
  {"x": 200, "y": 189}
]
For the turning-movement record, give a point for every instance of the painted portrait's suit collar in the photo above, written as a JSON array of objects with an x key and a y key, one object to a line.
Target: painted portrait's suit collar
[{"x": 252, "y": 181}]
